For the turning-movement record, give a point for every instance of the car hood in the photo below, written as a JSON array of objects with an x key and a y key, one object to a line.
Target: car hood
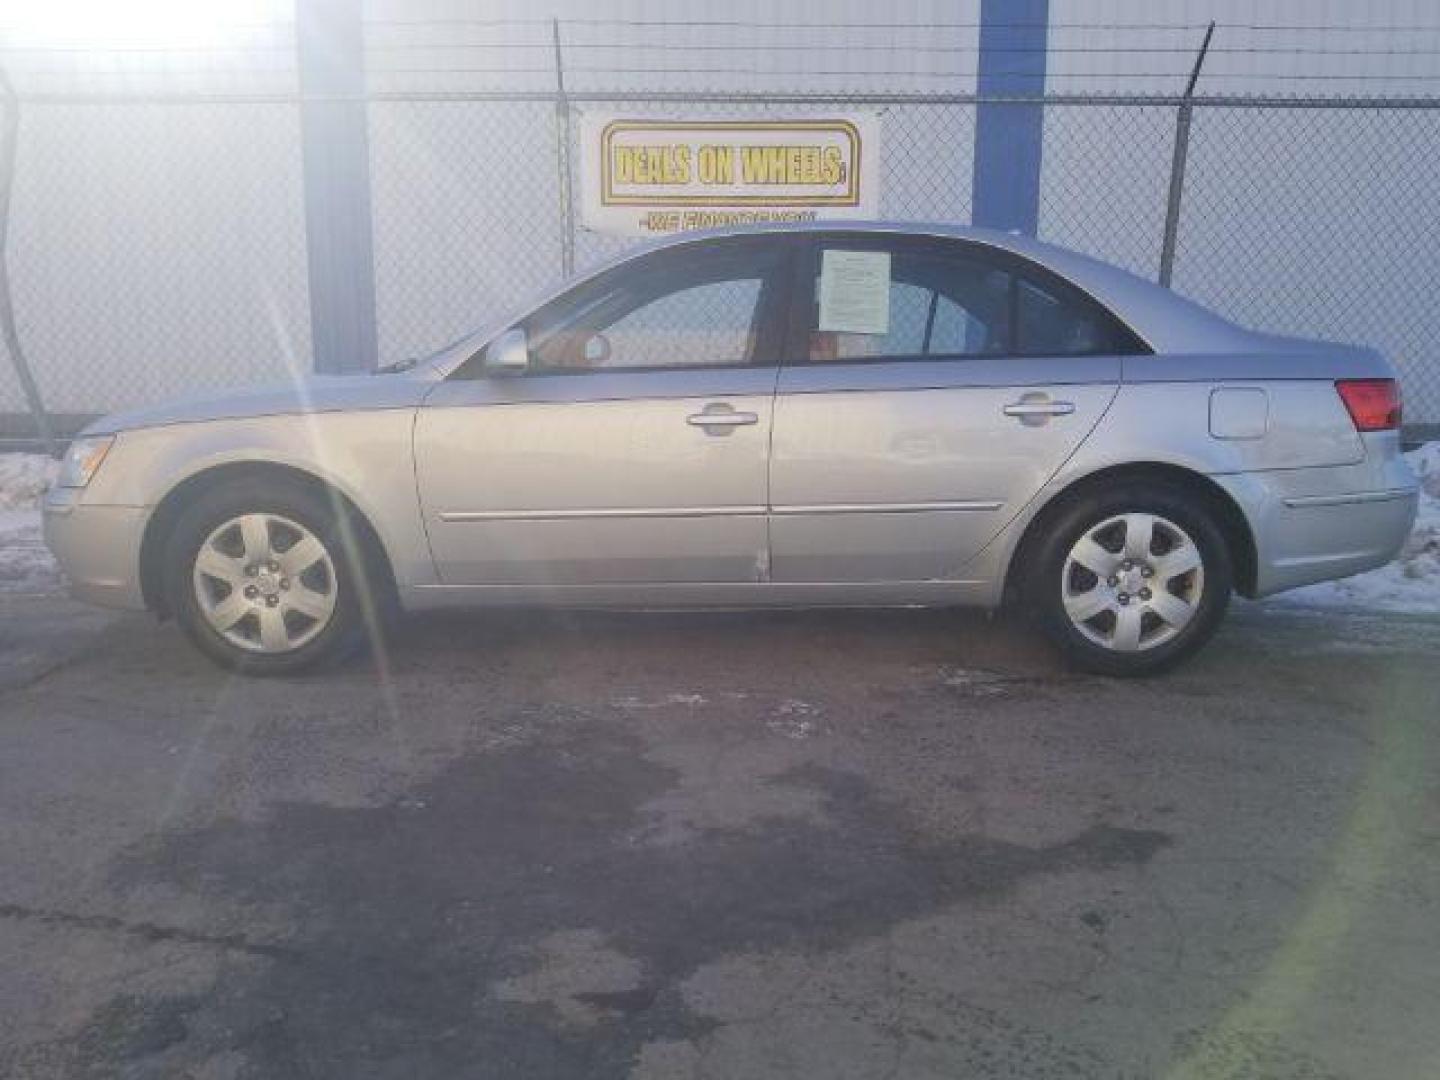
[{"x": 316, "y": 394}]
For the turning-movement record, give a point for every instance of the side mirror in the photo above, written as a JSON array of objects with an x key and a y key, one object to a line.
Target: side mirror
[{"x": 508, "y": 354}]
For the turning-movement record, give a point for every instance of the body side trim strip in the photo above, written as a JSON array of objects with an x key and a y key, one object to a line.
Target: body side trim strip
[
  {"x": 1351, "y": 498},
  {"x": 623, "y": 512},
  {"x": 888, "y": 508},
  {"x": 461, "y": 516}
]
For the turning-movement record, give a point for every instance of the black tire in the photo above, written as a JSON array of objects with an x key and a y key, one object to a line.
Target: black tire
[
  {"x": 344, "y": 631},
  {"x": 1046, "y": 567}
]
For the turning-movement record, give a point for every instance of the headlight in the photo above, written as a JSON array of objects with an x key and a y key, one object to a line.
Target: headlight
[{"x": 83, "y": 460}]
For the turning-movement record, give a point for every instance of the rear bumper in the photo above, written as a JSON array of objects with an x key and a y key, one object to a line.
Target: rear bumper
[
  {"x": 1317, "y": 541},
  {"x": 1303, "y": 535},
  {"x": 98, "y": 547}
]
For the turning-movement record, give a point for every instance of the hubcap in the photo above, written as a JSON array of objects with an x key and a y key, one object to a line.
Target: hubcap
[
  {"x": 265, "y": 583},
  {"x": 1132, "y": 582}
]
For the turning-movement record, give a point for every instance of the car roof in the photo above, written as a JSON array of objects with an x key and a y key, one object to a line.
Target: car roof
[{"x": 1163, "y": 320}]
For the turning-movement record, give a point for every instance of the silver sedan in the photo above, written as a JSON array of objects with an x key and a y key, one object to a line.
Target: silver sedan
[{"x": 858, "y": 414}]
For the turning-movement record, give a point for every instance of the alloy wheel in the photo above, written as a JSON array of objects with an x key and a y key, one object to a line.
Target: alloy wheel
[
  {"x": 1132, "y": 582},
  {"x": 265, "y": 583}
]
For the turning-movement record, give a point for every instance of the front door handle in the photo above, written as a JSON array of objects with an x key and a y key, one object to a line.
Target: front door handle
[{"x": 721, "y": 419}]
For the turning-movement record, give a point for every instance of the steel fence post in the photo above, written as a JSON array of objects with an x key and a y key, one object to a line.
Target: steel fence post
[
  {"x": 1176, "y": 191},
  {"x": 9, "y": 140},
  {"x": 1177, "y": 165},
  {"x": 335, "y": 156},
  {"x": 562, "y": 159},
  {"x": 1009, "y": 135}
]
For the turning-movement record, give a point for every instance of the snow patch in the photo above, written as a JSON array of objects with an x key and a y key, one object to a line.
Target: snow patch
[
  {"x": 974, "y": 681},
  {"x": 1412, "y": 582},
  {"x": 795, "y": 719},
  {"x": 795, "y": 707},
  {"x": 25, "y": 563},
  {"x": 24, "y": 479},
  {"x": 792, "y": 728},
  {"x": 669, "y": 701}
]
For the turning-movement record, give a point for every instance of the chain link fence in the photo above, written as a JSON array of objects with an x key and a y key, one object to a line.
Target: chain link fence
[
  {"x": 467, "y": 212},
  {"x": 158, "y": 247},
  {"x": 1320, "y": 222},
  {"x": 155, "y": 251}
]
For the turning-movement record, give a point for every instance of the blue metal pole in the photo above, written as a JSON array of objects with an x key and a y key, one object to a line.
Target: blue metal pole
[
  {"x": 335, "y": 151},
  {"x": 1006, "y": 188}
]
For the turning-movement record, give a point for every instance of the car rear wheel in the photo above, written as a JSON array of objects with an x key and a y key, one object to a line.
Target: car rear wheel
[
  {"x": 1131, "y": 581},
  {"x": 264, "y": 579}
]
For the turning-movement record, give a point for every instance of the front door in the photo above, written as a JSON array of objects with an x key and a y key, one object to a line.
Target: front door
[
  {"x": 634, "y": 449},
  {"x": 903, "y": 446}
]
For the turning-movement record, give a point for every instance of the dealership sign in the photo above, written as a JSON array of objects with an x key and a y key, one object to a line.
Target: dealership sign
[{"x": 648, "y": 177}]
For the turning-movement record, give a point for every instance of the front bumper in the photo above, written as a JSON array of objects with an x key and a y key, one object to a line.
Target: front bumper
[{"x": 98, "y": 547}]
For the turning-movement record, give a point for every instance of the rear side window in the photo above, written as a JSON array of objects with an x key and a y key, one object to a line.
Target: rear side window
[
  {"x": 938, "y": 299},
  {"x": 1050, "y": 323},
  {"x": 934, "y": 305}
]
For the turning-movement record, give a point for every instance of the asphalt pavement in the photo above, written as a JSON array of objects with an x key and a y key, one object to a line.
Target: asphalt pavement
[{"x": 829, "y": 844}]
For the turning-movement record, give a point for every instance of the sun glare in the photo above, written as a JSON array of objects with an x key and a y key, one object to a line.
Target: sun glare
[{"x": 136, "y": 24}]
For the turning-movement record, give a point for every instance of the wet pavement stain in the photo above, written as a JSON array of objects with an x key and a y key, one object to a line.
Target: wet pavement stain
[
  {"x": 405, "y": 916},
  {"x": 144, "y": 931}
]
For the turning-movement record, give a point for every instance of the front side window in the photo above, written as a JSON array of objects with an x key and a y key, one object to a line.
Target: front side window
[
  {"x": 700, "y": 309},
  {"x": 712, "y": 323}
]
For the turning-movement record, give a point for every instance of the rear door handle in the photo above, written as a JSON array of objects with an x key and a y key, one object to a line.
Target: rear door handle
[
  {"x": 1035, "y": 410},
  {"x": 1039, "y": 408},
  {"x": 721, "y": 419}
]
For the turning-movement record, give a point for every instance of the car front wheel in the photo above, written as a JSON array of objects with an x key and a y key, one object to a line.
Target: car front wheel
[
  {"x": 1131, "y": 581},
  {"x": 262, "y": 578}
]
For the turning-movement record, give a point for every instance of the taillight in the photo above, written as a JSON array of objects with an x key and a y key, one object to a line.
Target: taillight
[{"x": 1374, "y": 404}]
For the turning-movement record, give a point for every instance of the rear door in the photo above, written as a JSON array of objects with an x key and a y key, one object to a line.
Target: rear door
[{"x": 906, "y": 440}]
